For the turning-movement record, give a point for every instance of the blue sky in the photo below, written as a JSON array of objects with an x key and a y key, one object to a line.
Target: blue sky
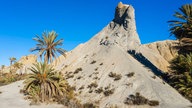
[{"x": 76, "y": 21}]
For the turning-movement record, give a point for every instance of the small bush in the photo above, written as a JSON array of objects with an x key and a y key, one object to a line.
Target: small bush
[
  {"x": 82, "y": 87},
  {"x": 108, "y": 92},
  {"x": 89, "y": 105},
  {"x": 130, "y": 74},
  {"x": 153, "y": 103},
  {"x": 77, "y": 70},
  {"x": 138, "y": 99},
  {"x": 93, "y": 62},
  {"x": 95, "y": 77},
  {"x": 96, "y": 73},
  {"x": 90, "y": 75},
  {"x": 69, "y": 76},
  {"x": 154, "y": 77},
  {"x": 8, "y": 78},
  {"x": 96, "y": 69},
  {"x": 99, "y": 90},
  {"x": 79, "y": 77},
  {"x": 93, "y": 84},
  {"x": 101, "y": 64},
  {"x": 115, "y": 76},
  {"x": 90, "y": 91}
]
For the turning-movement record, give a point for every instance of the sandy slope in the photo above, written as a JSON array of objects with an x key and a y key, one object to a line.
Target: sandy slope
[{"x": 11, "y": 98}]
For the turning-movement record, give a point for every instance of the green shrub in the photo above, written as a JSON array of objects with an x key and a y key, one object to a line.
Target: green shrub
[
  {"x": 115, "y": 76},
  {"x": 46, "y": 84},
  {"x": 92, "y": 85},
  {"x": 130, "y": 74},
  {"x": 99, "y": 90},
  {"x": 89, "y": 105},
  {"x": 108, "y": 92},
  {"x": 138, "y": 99},
  {"x": 180, "y": 76},
  {"x": 8, "y": 78},
  {"x": 93, "y": 62},
  {"x": 78, "y": 70},
  {"x": 101, "y": 64}
]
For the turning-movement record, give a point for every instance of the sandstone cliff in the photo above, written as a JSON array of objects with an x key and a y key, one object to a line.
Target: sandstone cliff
[{"x": 114, "y": 65}]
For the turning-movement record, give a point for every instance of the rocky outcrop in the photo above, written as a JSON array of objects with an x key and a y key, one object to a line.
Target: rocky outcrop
[
  {"x": 113, "y": 65},
  {"x": 27, "y": 62},
  {"x": 167, "y": 49},
  {"x": 29, "y": 59}
]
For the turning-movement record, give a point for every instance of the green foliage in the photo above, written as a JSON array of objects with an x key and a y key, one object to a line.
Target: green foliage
[
  {"x": 47, "y": 46},
  {"x": 138, "y": 99},
  {"x": 12, "y": 59},
  {"x": 130, "y": 74},
  {"x": 93, "y": 62},
  {"x": 115, "y": 76},
  {"x": 8, "y": 78},
  {"x": 99, "y": 90},
  {"x": 92, "y": 85},
  {"x": 181, "y": 76},
  {"x": 182, "y": 63},
  {"x": 89, "y": 105},
  {"x": 46, "y": 84},
  {"x": 77, "y": 70},
  {"x": 108, "y": 92},
  {"x": 183, "y": 26}
]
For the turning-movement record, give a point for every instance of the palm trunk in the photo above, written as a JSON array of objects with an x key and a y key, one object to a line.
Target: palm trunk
[{"x": 43, "y": 92}]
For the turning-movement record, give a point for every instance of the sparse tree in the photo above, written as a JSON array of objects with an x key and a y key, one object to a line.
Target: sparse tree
[
  {"x": 47, "y": 46},
  {"x": 17, "y": 65},
  {"x": 183, "y": 26},
  {"x": 12, "y": 60}
]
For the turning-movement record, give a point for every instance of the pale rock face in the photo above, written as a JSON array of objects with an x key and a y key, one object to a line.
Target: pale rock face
[
  {"x": 117, "y": 49},
  {"x": 29, "y": 59},
  {"x": 27, "y": 62},
  {"x": 166, "y": 49}
]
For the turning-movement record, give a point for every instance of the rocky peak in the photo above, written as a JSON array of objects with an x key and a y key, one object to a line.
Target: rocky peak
[
  {"x": 111, "y": 71},
  {"x": 123, "y": 13},
  {"x": 121, "y": 30}
]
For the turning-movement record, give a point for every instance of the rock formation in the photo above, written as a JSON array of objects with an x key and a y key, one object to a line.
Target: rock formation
[
  {"x": 29, "y": 59},
  {"x": 166, "y": 49},
  {"x": 113, "y": 66},
  {"x": 26, "y": 61}
]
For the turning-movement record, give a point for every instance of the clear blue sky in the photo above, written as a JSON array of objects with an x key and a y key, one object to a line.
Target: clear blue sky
[{"x": 76, "y": 21}]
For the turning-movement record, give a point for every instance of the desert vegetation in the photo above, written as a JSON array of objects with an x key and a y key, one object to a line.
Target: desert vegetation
[
  {"x": 181, "y": 66},
  {"x": 138, "y": 99},
  {"x": 115, "y": 76},
  {"x": 11, "y": 75},
  {"x": 45, "y": 84},
  {"x": 47, "y": 46}
]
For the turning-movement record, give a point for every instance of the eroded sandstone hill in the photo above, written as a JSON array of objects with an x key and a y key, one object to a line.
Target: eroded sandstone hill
[{"x": 113, "y": 66}]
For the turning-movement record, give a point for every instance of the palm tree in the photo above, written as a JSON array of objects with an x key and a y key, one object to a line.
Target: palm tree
[
  {"x": 47, "y": 46},
  {"x": 181, "y": 76},
  {"x": 46, "y": 82},
  {"x": 17, "y": 65},
  {"x": 183, "y": 26},
  {"x": 12, "y": 59}
]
